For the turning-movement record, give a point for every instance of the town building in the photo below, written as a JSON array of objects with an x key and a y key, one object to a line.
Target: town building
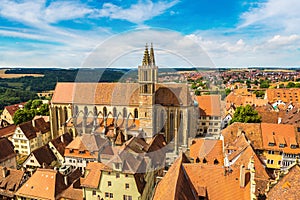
[
  {"x": 8, "y": 113},
  {"x": 7, "y": 154},
  {"x": 31, "y": 135},
  {"x": 84, "y": 149},
  {"x": 276, "y": 144},
  {"x": 46, "y": 184},
  {"x": 40, "y": 157},
  {"x": 10, "y": 181},
  {"x": 209, "y": 115},
  {"x": 58, "y": 146},
  {"x": 150, "y": 107},
  {"x": 207, "y": 151},
  {"x": 8, "y": 131},
  {"x": 286, "y": 185},
  {"x": 283, "y": 95}
]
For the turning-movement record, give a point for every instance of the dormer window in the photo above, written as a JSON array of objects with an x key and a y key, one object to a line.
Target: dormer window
[
  {"x": 281, "y": 145},
  {"x": 293, "y": 146},
  {"x": 82, "y": 152},
  {"x": 271, "y": 144},
  {"x": 71, "y": 150}
]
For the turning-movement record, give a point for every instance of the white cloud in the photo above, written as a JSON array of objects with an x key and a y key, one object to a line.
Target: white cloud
[
  {"x": 284, "y": 40},
  {"x": 274, "y": 15},
  {"x": 136, "y": 13}
]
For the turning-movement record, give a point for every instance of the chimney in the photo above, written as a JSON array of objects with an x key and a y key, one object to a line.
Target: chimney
[
  {"x": 33, "y": 122},
  {"x": 4, "y": 172},
  {"x": 66, "y": 180},
  {"x": 242, "y": 176}
]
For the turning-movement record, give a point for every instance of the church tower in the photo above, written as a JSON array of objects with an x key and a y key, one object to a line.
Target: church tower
[{"x": 147, "y": 75}]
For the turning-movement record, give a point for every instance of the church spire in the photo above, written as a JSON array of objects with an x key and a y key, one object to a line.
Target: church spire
[
  {"x": 146, "y": 58},
  {"x": 152, "y": 59}
]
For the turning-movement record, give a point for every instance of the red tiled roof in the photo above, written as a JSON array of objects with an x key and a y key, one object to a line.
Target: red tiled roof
[
  {"x": 13, "y": 108},
  {"x": 176, "y": 184},
  {"x": 7, "y": 131},
  {"x": 209, "y": 105}
]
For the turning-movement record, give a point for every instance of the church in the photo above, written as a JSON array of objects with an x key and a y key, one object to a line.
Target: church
[{"x": 119, "y": 111}]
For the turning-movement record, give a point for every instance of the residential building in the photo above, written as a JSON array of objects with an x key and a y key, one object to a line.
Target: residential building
[
  {"x": 46, "y": 184},
  {"x": 7, "y": 154},
  {"x": 276, "y": 144},
  {"x": 58, "y": 146},
  {"x": 209, "y": 115},
  {"x": 84, "y": 149},
  {"x": 284, "y": 95},
  {"x": 39, "y": 157},
  {"x": 31, "y": 135},
  {"x": 242, "y": 97},
  {"x": 7, "y": 115},
  {"x": 186, "y": 180},
  {"x": 286, "y": 185},
  {"x": 165, "y": 108},
  {"x": 8, "y": 131},
  {"x": 10, "y": 181},
  {"x": 280, "y": 145},
  {"x": 207, "y": 151}
]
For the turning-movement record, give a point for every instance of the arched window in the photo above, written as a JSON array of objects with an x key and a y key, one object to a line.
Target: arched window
[
  {"x": 197, "y": 160},
  {"x": 95, "y": 111},
  {"x": 75, "y": 113},
  {"x": 172, "y": 127},
  {"x": 85, "y": 111},
  {"x": 124, "y": 112},
  {"x": 136, "y": 113},
  {"x": 162, "y": 120},
  {"x": 114, "y": 112},
  {"x": 204, "y": 160},
  {"x": 104, "y": 111},
  {"x": 66, "y": 113}
]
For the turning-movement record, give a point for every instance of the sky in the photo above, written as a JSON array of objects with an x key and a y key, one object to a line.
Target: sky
[{"x": 100, "y": 33}]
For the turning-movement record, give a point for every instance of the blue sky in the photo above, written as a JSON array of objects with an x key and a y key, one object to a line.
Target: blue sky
[{"x": 58, "y": 33}]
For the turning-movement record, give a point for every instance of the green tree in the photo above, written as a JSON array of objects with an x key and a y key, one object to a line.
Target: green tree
[
  {"x": 36, "y": 103},
  {"x": 23, "y": 115},
  {"x": 246, "y": 114},
  {"x": 264, "y": 84},
  {"x": 43, "y": 110},
  {"x": 290, "y": 85},
  {"x": 227, "y": 91}
]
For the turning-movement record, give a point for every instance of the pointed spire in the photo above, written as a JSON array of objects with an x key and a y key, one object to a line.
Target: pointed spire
[
  {"x": 152, "y": 59},
  {"x": 146, "y": 59}
]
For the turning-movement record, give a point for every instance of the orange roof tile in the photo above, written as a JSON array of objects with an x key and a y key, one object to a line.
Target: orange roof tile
[
  {"x": 277, "y": 133},
  {"x": 287, "y": 187},
  {"x": 217, "y": 185},
  {"x": 285, "y": 94},
  {"x": 93, "y": 174},
  {"x": 211, "y": 150},
  {"x": 175, "y": 184},
  {"x": 209, "y": 105}
]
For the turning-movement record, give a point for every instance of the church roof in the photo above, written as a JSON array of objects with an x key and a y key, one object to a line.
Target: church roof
[{"x": 122, "y": 94}]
